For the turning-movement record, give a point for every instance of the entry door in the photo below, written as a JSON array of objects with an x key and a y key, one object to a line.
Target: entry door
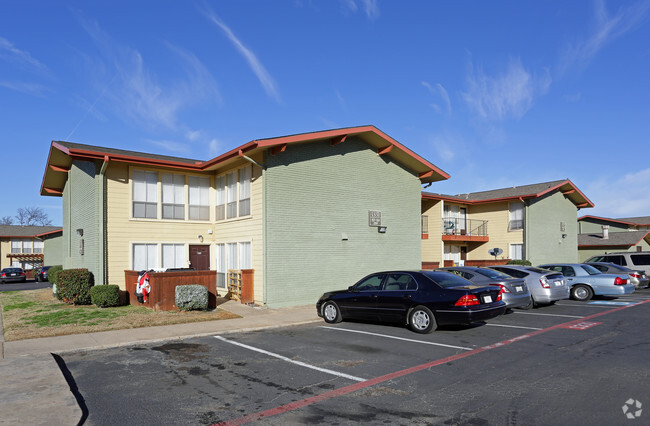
[
  {"x": 200, "y": 257},
  {"x": 462, "y": 225}
]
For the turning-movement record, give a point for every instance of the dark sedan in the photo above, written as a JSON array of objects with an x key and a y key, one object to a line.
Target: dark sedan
[
  {"x": 41, "y": 274},
  {"x": 420, "y": 299},
  {"x": 12, "y": 275}
]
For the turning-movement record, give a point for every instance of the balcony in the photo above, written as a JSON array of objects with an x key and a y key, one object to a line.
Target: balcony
[{"x": 462, "y": 229}]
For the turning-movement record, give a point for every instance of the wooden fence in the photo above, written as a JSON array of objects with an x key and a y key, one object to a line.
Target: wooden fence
[{"x": 163, "y": 287}]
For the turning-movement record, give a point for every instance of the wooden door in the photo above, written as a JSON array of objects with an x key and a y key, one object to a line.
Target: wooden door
[{"x": 200, "y": 257}]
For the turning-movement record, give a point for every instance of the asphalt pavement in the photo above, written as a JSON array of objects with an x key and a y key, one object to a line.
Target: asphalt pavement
[{"x": 34, "y": 387}]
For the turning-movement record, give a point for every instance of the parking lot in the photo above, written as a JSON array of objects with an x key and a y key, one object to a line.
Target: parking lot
[{"x": 570, "y": 363}]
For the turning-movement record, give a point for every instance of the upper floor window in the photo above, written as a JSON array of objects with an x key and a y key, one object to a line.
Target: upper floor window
[
  {"x": 173, "y": 195},
  {"x": 234, "y": 194},
  {"x": 16, "y": 246},
  {"x": 38, "y": 246},
  {"x": 516, "y": 216},
  {"x": 199, "y": 197},
  {"x": 145, "y": 197}
]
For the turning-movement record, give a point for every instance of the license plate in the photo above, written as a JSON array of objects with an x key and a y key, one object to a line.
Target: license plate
[
  {"x": 519, "y": 289},
  {"x": 487, "y": 299},
  {"x": 558, "y": 283},
  {"x": 13, "y": 275}
]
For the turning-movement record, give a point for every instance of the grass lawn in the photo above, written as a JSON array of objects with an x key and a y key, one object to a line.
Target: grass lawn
[{"x": 36, "y": 313}]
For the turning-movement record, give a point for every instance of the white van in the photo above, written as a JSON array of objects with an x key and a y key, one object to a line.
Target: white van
[{"x": 633, "y": 259}]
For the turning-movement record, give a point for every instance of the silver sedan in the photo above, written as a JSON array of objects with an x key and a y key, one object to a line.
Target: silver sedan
[{"x": 546, "y": 287}]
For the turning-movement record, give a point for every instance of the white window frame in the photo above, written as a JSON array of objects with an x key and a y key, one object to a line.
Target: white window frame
[
  {"x": 172, "y": 196},
  {"x": 151, "y": 260},
  {"x": 16, "y": 246},
  {"x": 144, "y": 191},
  {"x": 233, "y": 194},
  {"x": 38, "y": 246},
  {"x": 516, "y": 251},
  {"x": 198, "y": 197},
  {"x": 516, "y": 216},
  {"x": 236, "y": 255},
  {"x": 173, "y": 255}
]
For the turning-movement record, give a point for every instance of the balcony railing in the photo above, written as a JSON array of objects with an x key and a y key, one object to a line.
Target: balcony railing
[{"x": 459, "y": 226}]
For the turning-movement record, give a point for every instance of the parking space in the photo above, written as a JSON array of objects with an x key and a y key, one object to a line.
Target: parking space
[{"x": 523, "y": 367}]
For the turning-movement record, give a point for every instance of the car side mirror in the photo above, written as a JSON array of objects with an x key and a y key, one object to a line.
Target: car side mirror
[{"x": 352, "y": 289}]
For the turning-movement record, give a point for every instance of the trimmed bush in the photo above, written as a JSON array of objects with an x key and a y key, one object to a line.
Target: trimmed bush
[
  {"x": 53, "y": 272},
  {"x": 73, "y": 286},
  {"x": 519, "y": 262},
  {"x": 191, "y": 297},
  {"x": 105, "y": 296}
]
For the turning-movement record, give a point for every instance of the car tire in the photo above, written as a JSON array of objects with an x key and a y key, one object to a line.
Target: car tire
[
  {"x": 530, "y": 305},
  {"x": 581, "y": 292},
  {"x": 421, "y": 320},
  {"x": 331, "y": 313}
]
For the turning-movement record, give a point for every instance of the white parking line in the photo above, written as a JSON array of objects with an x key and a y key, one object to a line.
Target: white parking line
[
  {"x": 284, "y": 358},
  {"x": 546, "y": 315},
  {"x": 583, "y": 305},
  {"x": 513, "y": 326},
  {"x": 398, "y": 338}
]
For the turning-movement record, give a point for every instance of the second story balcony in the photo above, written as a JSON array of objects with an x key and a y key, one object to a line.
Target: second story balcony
[{"x": 463, "y": 229}]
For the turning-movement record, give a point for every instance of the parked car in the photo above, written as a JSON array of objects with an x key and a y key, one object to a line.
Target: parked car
[
  {"x": 586, "y": 281},
  {"x": 515, "y": 291},
  {"x": 638, "y": 277},
  {"x": 422, "y": 300},
  {"x": 546, "y": 287},
  {"x": 8, "y": 275},
  {"x": 632, "y": 260},
  {"x": 41, "y": 274}
]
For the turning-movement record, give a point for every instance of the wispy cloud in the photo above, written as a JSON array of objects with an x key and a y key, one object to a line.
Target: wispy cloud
[
  {"x": 29, "y": 88},
  {"x": 606, "y": 29},
  {"x": 11, "y": 54},
  {"x": 439, "y": 90},
  {"x": 256, "y": 66},
  {"x": 508, "y": 95},
  {"x": 620, "y": 197},
  {"x": 136, "y": 91},
  {"x": 214, "y": 146},
  {"x": 369, "y": 7}
]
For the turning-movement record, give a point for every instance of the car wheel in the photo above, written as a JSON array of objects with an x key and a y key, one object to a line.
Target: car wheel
[
  {"x": 530, "y": 305},
  {"x": 581, "y": 292},
  {"x": 331, "y": 313},
  {"x": 421, "y": 320}
]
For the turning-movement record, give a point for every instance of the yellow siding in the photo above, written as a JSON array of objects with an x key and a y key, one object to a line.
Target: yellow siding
[
  {"x": 498, "y": 217},
  {"x": 124, "y": 231},
  {"x": 432, "y": 248},
  {"x": 5, "y": 247}
]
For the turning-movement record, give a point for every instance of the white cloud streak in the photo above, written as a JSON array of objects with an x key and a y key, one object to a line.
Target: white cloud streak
[
  {"x": 20, "y": 58},
  {"x": 370, "y": 7},
  {"x": 439, "y": 90},
  {"x": 508, "y": 95},
  {"x": 621, "y": 197},
  {"x": 29, "y": 88},
  {"x": 607, "y": 28},
  {"x": 256, "y": 66}
]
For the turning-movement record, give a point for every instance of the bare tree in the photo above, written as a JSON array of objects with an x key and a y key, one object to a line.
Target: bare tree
[
  {"x": 7, "y": 220},
  {"x": 31, "y": 216}
]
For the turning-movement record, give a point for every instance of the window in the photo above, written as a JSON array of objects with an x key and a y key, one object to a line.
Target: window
[
  {"x": 221, "y": 198},
  {"x": 424, "y": 223},
  {"x": 372, "y": 283},
  {"x": 233, "y": 197},
  {"x": 516, "y": 252},
  {"x": 173, "y": 256},
  {"x": 145, "y": 200},
  {"x": 16, "y": 246},
  {"x": 199, "y": 196},
  {"x": 38, "y": 246},
  {"x": 173, "y": 193},
  {"x": 516, "y": 216},
  {"x": 641, "y": 259},
  {"x": 235, "y": 256},
  {"x": 400, "y": 282},
  {"x": 27, "y": 246},
  {"x": 145, "y": 256}
]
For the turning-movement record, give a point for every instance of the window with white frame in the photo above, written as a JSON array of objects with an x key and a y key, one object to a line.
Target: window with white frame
[
  {"x": 173, "y": 256},
  {"x": 199, "y": 197},
  {"x": 38, "y": 246},
  {"x": 516, "y": 251},
  {"x": 145, "y": 256},
  {"x": 516, "y": 216},
  {"x": 234, "y": 256},
  {"x": 27, "y": 246},
  {"x": 16, "y": 246},
  {"x": 233, "y": 194},
  {"x": 145, "y": 200},
  {"x": 173, "y": 196}
]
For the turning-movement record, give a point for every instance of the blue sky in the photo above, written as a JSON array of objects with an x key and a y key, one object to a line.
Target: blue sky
[{"x": 497, "y": 93}]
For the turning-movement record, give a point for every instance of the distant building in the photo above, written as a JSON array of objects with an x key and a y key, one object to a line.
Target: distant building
[
  {"x": 25, "y": 246},
  {"x": 598, "y": 235}
]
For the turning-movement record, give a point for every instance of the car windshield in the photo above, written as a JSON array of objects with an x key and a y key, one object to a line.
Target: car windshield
[
  {"x": 446, "y": 279},
  {"x": 492, "y": 274},
  {"x": 591, "y": 270}
]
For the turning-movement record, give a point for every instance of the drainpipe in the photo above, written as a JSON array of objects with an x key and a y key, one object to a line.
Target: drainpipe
[
  {"x": 247, "y": 158},
  {"x": 103, "y": 263}
]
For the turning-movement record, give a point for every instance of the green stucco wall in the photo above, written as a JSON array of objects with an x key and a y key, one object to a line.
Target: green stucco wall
[
  {"x": 543, "y": 232},
  {"x": 82, "y": 211},
  {"x": 53, "y": 251},
  {"x": 315, "y": 196},
  {"x": 595, "y": 226}
]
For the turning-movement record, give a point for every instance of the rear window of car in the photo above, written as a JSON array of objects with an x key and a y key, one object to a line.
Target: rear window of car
[
  {"x": 538, "y": 270},
  {"x": 591, "y": 270},
  {"x": 512, "y": 272},
  {"x": 446, "y": 279},
  {"x": 641, "y": 259},
  {"x": 492, "y": 274},
  {"x": 609, "y": 258}
]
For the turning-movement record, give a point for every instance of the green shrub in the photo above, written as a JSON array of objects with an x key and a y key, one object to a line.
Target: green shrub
[
  {"x": 53, "y": 272},
  {"x": 191, "y": 297},
  {"x": 519, "y": 262},
  {"x": 105, "y": 296},
  {"x": 73, "y": 286}
]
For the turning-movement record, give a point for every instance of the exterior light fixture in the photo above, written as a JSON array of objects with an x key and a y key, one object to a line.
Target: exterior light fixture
[
  {"x": 381, "y": 229},
  {"x": 200, "y": 237}
]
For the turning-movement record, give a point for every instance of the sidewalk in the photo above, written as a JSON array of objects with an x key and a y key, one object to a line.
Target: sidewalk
[{"x": 33, "y": 390}]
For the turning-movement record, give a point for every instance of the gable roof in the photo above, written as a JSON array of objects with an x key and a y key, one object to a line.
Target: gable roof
[
  {"x": 616, "y": 239},
  {"x": 632, "y": 221},
  {"x": 62, "y": 153},
  {"x": 536, "y": 190},
  {"x": 19, "y": 231}
]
